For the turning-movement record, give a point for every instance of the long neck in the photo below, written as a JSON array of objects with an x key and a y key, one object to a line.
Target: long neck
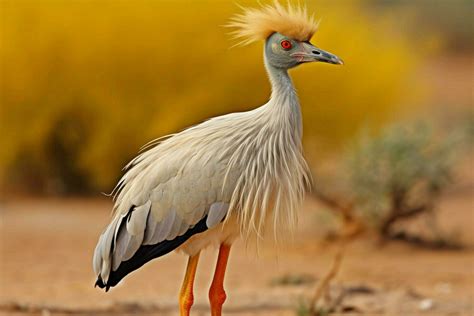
[
  {"x": 280, "y": 80},
  {"x": 284, "y": 103}
]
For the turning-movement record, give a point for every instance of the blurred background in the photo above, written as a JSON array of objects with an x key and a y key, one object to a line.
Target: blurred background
[{"x": 84, "y": 84}]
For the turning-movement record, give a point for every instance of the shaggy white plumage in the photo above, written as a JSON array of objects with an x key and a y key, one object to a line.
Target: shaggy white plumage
[{"x": 249, "y": 164}]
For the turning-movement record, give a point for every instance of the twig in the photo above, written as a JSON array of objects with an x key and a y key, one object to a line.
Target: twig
[
  {"x": 351, "y": 224},
  {"x": 396, "y": 215},
  {"x": 343, "y": 208},
  {"x": 324, "y": 284}
]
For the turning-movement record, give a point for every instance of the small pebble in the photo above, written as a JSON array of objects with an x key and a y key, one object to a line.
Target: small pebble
[{"x": 426, "y": 304}]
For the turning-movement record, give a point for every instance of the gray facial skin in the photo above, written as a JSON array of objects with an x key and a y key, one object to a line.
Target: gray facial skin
[{"x": 300, "y": 52}]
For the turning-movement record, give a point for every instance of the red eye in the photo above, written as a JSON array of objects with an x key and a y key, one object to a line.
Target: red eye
[{"x": 285, "y": 44}]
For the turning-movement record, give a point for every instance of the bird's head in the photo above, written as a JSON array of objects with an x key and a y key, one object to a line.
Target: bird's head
[
  {"x": 285, "y": 52},
  {"x": 286, "y": 31}
]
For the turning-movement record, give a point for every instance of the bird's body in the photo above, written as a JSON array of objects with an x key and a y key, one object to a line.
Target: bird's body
[
  {"x": 204, "y": 169},
  {"x": 208, "y": 184}
]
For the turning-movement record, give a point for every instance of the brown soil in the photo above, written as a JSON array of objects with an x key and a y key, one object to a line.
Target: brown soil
[{"x": 47, "y": 247}]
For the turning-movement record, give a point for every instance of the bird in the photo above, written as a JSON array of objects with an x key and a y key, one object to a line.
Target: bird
[{"x": 223, "y": 179}]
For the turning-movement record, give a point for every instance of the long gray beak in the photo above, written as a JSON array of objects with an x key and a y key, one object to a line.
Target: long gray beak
[{"x": 309, "y": 53}]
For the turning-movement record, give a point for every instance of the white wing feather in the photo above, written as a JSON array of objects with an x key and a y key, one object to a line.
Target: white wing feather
[{"x": 166, "y": 191}]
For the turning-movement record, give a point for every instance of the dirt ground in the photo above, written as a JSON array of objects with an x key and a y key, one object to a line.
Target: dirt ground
[{"x": 47, "y": 248}]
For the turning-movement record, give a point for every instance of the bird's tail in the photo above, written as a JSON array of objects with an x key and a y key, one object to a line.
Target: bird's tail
[{"x": 111, "y": 268}]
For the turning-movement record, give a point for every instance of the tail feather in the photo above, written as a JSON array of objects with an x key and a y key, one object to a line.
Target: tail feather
[{"x": 144, "y": 254}]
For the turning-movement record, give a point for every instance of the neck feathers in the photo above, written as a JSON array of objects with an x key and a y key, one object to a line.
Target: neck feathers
[
  {"x": 284, "y": 106},
  {"x": 280, "y": 80},
  {"x": 273, "y": 173}
]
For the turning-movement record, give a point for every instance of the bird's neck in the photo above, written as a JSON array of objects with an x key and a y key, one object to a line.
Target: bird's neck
[
  {"x": 284, "y": 102},
  {"x": 280, "y": 81}
]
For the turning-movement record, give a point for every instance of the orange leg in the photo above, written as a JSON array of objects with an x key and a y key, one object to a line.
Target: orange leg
[
  {"x": 186, "y": 297},
  {"x": 217, "y": 294}
]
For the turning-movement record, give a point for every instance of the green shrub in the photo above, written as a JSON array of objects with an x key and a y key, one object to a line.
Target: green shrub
[{"x": 400, "y": 172}]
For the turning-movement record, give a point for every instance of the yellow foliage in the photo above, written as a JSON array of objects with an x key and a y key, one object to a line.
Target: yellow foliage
[{"x": 85, "y": 83}]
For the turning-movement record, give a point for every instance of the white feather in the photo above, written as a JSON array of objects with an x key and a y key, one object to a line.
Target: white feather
[
  {"x": 216, "y": 214},
  {"x": 137, "y": 221}
]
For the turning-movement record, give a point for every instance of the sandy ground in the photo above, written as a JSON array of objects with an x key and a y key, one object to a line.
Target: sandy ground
[{"x": 47, "y": 247}]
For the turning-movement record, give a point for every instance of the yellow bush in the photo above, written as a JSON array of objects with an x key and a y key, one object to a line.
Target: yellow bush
[{"x": 86, "y": 83}]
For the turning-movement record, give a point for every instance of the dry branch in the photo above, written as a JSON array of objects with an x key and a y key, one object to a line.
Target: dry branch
[
  {"x": 323, "y": 286},
  {"x": 351, "y": 224}
]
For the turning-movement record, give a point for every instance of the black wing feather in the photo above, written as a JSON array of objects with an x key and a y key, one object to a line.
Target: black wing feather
[{"x": 148, "y": 252}]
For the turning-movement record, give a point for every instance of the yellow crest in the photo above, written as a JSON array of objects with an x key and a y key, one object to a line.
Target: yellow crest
[{"x": 256, "y": 24}]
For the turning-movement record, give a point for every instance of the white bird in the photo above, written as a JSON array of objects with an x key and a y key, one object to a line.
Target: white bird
[{"x": 222, "y": 178}]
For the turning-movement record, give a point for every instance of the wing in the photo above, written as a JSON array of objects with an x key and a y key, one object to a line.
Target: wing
[{"x": 169, "y": 193}]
